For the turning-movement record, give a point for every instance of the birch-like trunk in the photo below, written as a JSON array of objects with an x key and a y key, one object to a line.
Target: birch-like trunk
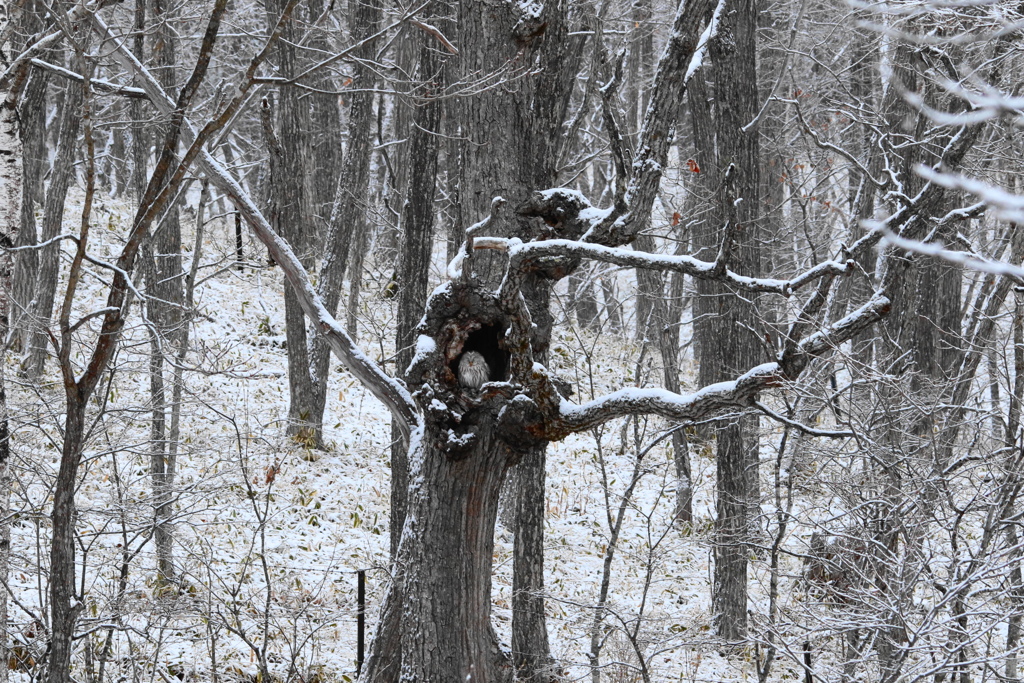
[{"x": 10, "y": 223}]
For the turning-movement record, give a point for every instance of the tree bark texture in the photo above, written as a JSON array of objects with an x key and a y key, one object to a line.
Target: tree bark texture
[
  {"x": 32, "y": 115},
  {"x": 164, "y": 309},
  {"x": 639, "y": 64},
  {"x": 726, "y": 322},
  {"x": 537, "y": 112},
  {"x": 65, "y": 603},
  {"x": 437, "y": 626},
  {"x": 325, "y": 135},
  {"x": 288, "y": 191},
  {"x": 436, "y": 621}
]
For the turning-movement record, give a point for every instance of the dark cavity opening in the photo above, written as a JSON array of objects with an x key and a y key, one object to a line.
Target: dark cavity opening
[{"x": 488, "y": 341}]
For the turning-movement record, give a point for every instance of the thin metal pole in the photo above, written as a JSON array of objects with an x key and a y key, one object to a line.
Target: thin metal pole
[
  {"x": 361, "y": 621},
  {"x": 239, "y": 255}
]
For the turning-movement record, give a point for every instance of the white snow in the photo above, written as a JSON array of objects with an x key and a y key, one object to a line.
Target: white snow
[{"x": 705, "y": 39}]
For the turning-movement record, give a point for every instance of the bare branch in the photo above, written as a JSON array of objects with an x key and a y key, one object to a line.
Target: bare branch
[
  {"x": 97, "y": 84},
  {"x": 436, "y": 32},
  {"x": 811, "y": 431}
]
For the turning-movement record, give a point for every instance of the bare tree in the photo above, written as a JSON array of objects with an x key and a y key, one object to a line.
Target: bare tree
[{"x": 10, "y": 223}]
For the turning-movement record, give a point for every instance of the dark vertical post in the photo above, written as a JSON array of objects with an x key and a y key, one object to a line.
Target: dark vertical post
[
  {"x": 361, "y": 621},
  {"x": 808, "y": 677},
  {"x": 239, "y": 256}
]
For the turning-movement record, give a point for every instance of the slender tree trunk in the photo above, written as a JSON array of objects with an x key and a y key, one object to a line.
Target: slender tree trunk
[
  {"x": 65, "y": 603},
  {"x": 348, "y": 217},
  {"x": 612, "y": 305},
  {"x": 360, "y": 241},
  {"x": 1013, "y": 424},
  {"x": 325, "y": 139},
  {"x": 1013, "y": 625},
  {"x": 649, "y": 295},
  {"x": 395, "y": 159},
  {"x": 291, "y": 215},
  {"x": 164, "y": 510},
  {"x": 53, "y": 217},
  {"x": 668, "y": 343},
  {"x": 559, "y": 59},
  {"x": 582, "y": 301},
  {"x": 164, "y": 287}
]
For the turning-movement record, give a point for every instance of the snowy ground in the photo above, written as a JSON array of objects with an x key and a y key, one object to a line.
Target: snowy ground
[{"x": 270, "y": 535}]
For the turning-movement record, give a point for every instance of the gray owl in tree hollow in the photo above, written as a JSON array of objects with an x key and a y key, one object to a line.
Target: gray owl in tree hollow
[{"x": 473, "y": 370}]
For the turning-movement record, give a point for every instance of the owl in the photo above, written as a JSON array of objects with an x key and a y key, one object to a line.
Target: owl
[{"x": 473, "y": 370}]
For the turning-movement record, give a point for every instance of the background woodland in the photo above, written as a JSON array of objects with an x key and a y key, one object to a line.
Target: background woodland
[{"x": 798, "y": 239}]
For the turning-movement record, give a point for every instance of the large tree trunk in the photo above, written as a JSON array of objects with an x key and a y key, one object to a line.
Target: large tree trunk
[
  {"x": 513, "y": 141},
  {"x": 436, "y": 625}
]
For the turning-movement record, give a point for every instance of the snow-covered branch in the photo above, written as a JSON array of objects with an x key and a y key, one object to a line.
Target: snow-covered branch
[
  {"x": 16, "y": 69},
  {"x": 706, "y": 402},
  {"x": 522, "y": 255},
  {"x": 95, "y": 83},
  {"x": 974, "y": 262},
  {"x": 1005, "y": 205},
  {"x": 799, "y": 426},
  {"x": 722, "y": 397}
]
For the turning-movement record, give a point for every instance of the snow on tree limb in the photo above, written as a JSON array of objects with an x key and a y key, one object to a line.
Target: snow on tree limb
[
  {"x": 97, "y": 84},
  {"x": 974, "y": 262},
  {"x": 522, "y": 255},
  {"x": 17, "y": 69},
  {"x": 708, "y": 401},
  {"x": 1005, "y": 205},
  {"x": 718, "y": 398}
]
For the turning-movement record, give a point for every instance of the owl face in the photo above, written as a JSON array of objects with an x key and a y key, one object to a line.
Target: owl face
[{"x": 473, "y": 370}]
